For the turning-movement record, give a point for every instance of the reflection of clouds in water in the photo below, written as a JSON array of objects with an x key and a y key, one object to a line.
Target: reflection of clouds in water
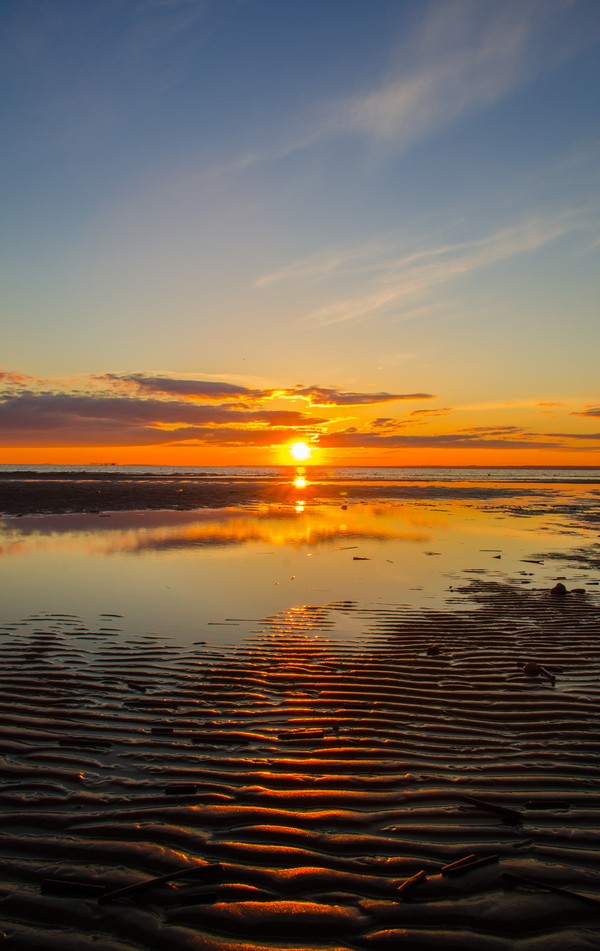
[
  {"x": 139, "y": 532},
  {"x": 224, "y": 539},
  {"x": 14, "y": 547}
]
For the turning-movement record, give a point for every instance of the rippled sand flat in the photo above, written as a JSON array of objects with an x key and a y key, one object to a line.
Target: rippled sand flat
[{"x": 319, "y": 779}]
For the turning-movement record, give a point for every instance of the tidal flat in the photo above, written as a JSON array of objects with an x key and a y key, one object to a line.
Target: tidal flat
[{"x": 304, "y": 702}]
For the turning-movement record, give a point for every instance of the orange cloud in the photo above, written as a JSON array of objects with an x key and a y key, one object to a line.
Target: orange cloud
[
  {"x": 592, "y": 411},
  {"x": 440, "y": 411},
  {"x": 139, "y": 410},
  {"x": 323, "y": 396}
]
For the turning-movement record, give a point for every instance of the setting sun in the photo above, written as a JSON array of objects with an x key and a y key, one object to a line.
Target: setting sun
[{"x": 300, "y": 451}]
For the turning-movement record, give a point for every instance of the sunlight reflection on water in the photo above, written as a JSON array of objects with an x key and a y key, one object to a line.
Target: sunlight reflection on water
[{"x": 188, "y": 574}]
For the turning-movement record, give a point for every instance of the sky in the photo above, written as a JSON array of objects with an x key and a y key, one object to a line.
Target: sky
[{"x": 230, "y": 226}]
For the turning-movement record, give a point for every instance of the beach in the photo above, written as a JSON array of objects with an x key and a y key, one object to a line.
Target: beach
[{"x": 301, "y": 777}]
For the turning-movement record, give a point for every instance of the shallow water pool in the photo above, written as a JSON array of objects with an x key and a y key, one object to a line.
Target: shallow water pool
[{"x": 213, "y": 575}]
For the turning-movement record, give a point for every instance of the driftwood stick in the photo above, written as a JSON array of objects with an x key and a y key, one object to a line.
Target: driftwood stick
[
  {"x": 466, "y": 860},
  {"x": 63, "y": 886},
  {"x": 467, "y": 866},
  {"x": 132, "y": 889},
  {"x": 491, "y": 807},
  {"x": 549, "y": 888},
  {"x": 411, "y": 882}
]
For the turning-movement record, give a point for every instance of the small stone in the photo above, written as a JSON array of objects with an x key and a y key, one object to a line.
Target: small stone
[
  {"x": 432, "y": 650},
  {"x": 559, "y": 590},
  {"x": 531, "y": 669}
]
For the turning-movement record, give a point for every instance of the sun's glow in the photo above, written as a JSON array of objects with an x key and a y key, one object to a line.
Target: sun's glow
[{"x": 300, "y": 451}]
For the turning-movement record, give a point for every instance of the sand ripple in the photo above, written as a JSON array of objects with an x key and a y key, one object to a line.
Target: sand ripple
[{"x": 319, "y": 777}]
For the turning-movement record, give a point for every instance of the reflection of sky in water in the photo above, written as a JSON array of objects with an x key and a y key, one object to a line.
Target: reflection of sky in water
[{"x": 186, "y": 573}]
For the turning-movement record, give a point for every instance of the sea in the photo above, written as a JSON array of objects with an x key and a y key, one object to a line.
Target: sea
[{"x": 565, "y": 475}]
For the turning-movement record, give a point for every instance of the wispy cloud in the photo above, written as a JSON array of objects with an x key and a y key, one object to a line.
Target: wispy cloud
[
  {"x": 465, "y": 55},
  {"x": 462, "y": 56},
  {"x": 393, "y": 281},
  {"x": 325, "y": 264}
]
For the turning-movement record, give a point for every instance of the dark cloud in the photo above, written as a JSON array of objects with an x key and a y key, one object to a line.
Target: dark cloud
[
  {"x": 593, "y": 411},
  {"x": 45, "y": 419},
  {"x": 354, "y": 440},
  {"x": 188, "y": 389},
  {"x": 211, "y": 390},
  {"x": 130, "y": 412},
  {"x": 32, "y": 410},
  {"x": 574, "y": 435},
  {"x": 323, "y": 396},
  {"x": 439, "y": 411},
  {"x": 495, "y": 431},
  {"x": 236, "y": 437},
  {"x": 385, "y": 422},
  {"x": 146, "y": 436}
]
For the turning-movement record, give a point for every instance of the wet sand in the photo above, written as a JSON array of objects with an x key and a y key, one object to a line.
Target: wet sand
[
  {"x": 320, "y": 778},
  {"x": 94, "y": 494}
]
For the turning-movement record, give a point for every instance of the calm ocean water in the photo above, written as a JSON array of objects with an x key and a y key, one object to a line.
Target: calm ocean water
[{"x": 335, "y": 473}]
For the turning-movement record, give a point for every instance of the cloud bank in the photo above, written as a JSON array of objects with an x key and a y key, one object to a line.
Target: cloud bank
[
  {"x": 218, "y": 391},
  {"x": 121, "y": 410}
]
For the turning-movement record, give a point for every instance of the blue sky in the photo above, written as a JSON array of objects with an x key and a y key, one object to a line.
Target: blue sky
[{"x": 392, "y": 197}]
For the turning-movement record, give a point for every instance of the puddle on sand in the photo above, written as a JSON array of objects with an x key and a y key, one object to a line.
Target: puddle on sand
[{"x": 211, "y": 575}]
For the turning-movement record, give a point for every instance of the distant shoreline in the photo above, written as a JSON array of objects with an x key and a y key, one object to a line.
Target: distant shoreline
[{"x": 29, "y": 468}]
